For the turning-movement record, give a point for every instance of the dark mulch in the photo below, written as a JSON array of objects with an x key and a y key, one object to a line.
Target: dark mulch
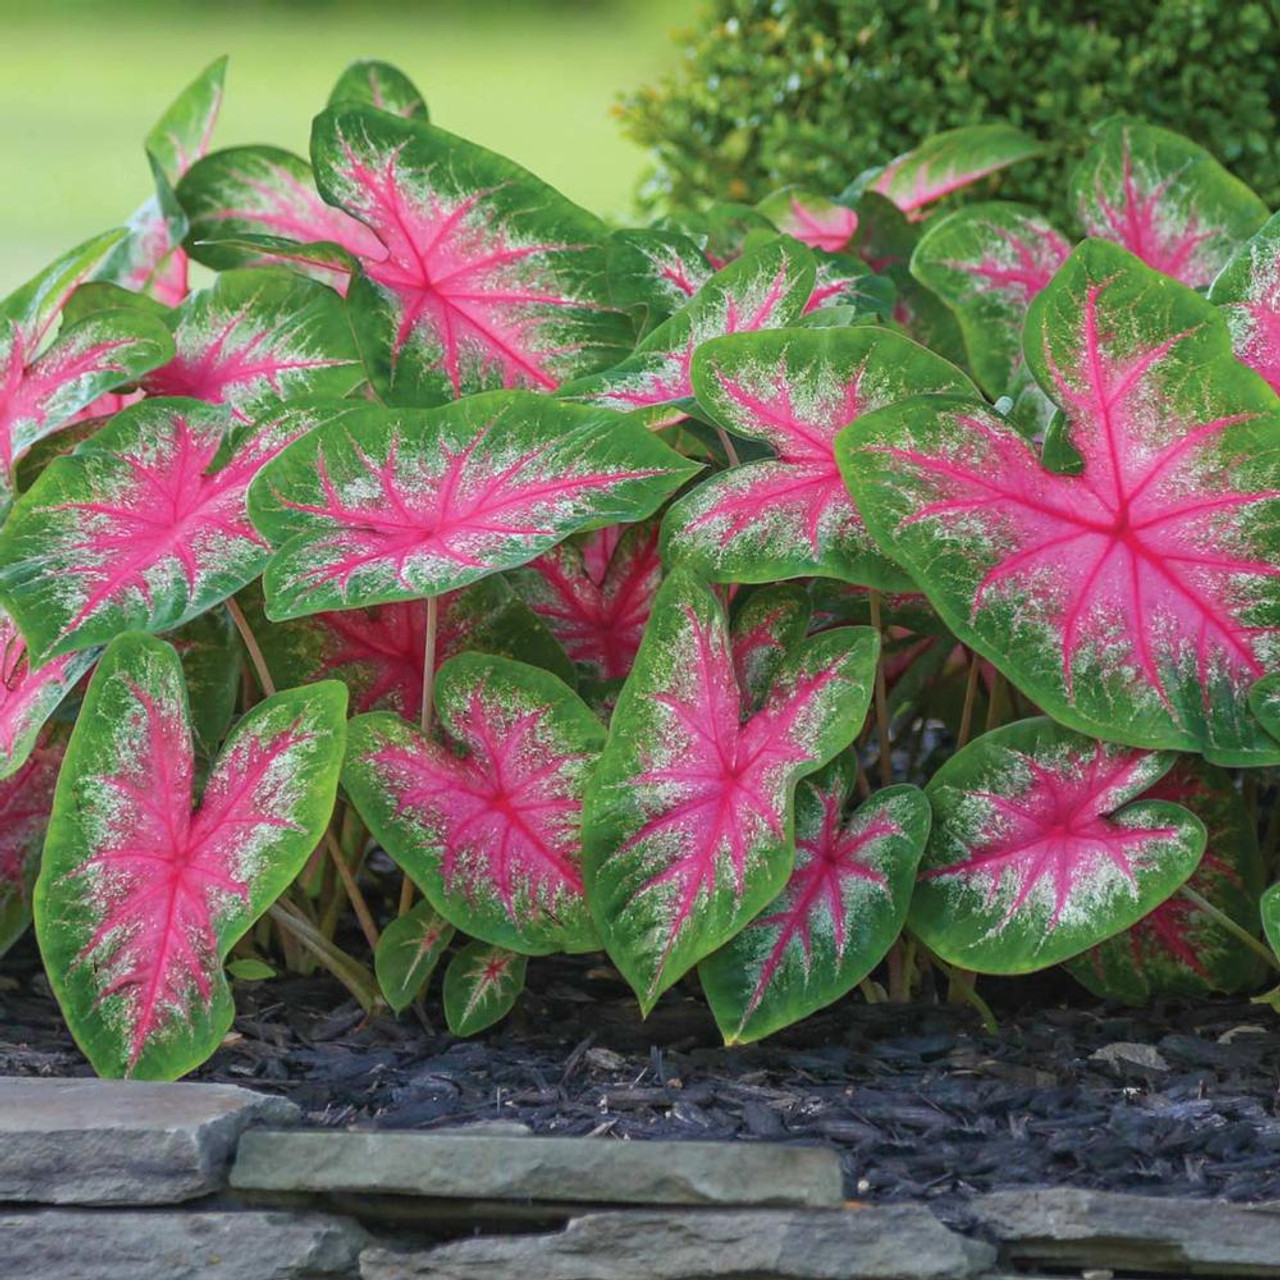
[{"x": 919, "y": 1100}]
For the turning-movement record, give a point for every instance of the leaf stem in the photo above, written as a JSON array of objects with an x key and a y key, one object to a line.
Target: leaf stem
[
  {"x": 727, "y": 445},
  {"x": 367, "y": 924},
  {"x": 964, "y": 990},
  {"x": 970, "y": 697},
  {"x": 1236, "y": 930},
  {"x": 351, "y": 973},
  {"x": 881, "y": 698},
  {"x": 252, "y": 647}
]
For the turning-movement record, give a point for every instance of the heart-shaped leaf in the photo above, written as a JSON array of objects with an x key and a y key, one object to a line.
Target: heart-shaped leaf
[
  {"x": 791, "y": 515},
  {"x": 1179, "y": 949},
  {"x": 408, "y": 951},
  {"x": 766, "y": 288},
  {"x": 1248, "y": 291},
  {"x": 481, "y": 986},
  {"x": 844, "y": 905},
  {"x": 596, "y": 595},
  {"x": 688, "y": 822},
  {"x": 489, "y": 828},
  {"x": 389, "y": 505},
  {"x": 26, "y": 799},
  {"x": 950, "y": 161},
  {"x": 378, "y": 653},
  {"x": 1165, "y": 199},
  {"x": 1139, "y": 598},
  {"x": 143, "y": 527},
  {"x": 143, "y": 892},
  {"x": 372, "y": 83},
  {"x": 483, "y": 277},
  {"x": 250, "y": 205},
  {"x": 257, "y": 338},
  {"x": 812, "y": 219},
  {"x": 986, "y": 262},
  {"x": 763, "y": 631},
  {"x": 28, "y": 697},
  {"x": 652, "y": 273},
  {"x": 1041, "y": 848}
]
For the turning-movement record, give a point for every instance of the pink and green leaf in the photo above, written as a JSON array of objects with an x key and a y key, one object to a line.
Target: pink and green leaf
[
  {"x": 595, "y": 595},
  {"x": 764, "y": 629},
  {"x": 1248, "y": 291},
  {"x": 387, "y": 505},
  {"x": 1138, "y": 597},
  {"x": 255, "y": 339},
  {"x": 841, "y": 910},
  {"x": 183, "y": 134},
  {"x": 142, "y": 528},
  {"x": 1165, "y": 199},
  {"x": 143, "y": 892},
  {"x": 766, "y": 288},
  {"x": 481, "y": 986},
  {"x": 951, "y": 161},
  {"x": 378, "y": 652},
  {"x": 488, "y": 822},
  {"x": 483, "y": 277},
  {"x": 212, "y": 663},
  {"x": 987, "y": 262},
  {"x": 29, "y": 696},
  {"x": 1042, "y": 846},
  {"x": 26, "y": 799},
  {"x": 371, "y": 83},
  {"x": 652, "y": 274},
  {"x": 688, "y": 828},
  {"x": 408, "y": 951},
  {"x": 812, "y": 219},
  {"x": 1179, "y": 949},
  {"x": 791, "y": 515}
]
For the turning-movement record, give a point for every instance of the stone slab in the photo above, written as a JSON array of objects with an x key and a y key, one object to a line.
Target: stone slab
[
  {"x": 897, "y": 1242},
  {"x": 1067, "y": 1227},
  {"x": 122, "y": 1142},
  {"x": 577, "y": 1170},
  {"x": 161, "y": 1244}
]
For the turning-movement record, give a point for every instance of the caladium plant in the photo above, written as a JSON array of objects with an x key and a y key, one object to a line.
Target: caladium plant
[
  {"x": 1131, "y": 591},
  {"x": 143, "y": 890},
  {"x": 669, "y": 572},
  {"x": 688, "y": 829},
  {"x": 489, "y": 828},
  {"x": 1041, "y": 847}
]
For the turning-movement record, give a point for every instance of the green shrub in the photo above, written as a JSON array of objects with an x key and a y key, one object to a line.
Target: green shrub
[{"x": 815, "y": 91}]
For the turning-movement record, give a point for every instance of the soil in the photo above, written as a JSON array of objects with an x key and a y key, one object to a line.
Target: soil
[{"x": 921, "y": 1102}]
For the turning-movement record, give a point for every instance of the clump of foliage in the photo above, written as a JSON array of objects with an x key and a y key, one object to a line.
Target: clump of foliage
[
  {"x": 637, "y": 590},
  {"x": 772, "y": 92}
]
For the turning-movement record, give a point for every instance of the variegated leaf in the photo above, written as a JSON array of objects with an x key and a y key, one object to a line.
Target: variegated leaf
[
  {"x": 595, "y": 595},
  {"x": 379, "y": 652},
  {"x": 688, "y": 822},
  {"x": 142, "y": 891},
  {"x": 841, "y": 910},
  {"x": 1137, "y": 597},
  {"x": 143, "y": 527},
  {"x": 652, "y": 273},
  {"x": 483, "y": 277},
  {"x": 950, "y": 161},
  {"x": 986, "y": 262},
  {"x": 766, "y": 288},
  {"x": 481, "y": 986},
  {"x": 791, "y": 515},
  {"x": 1165, "y": 199},
  {"x": 1248, "y": 291},
  {"x": 379, "y": 84},
  {"x": 387, "y": 505},
  {"x": 812, "y": 219},
  {"x": 258, "y": 338},
  {"x": 764, "y": 630},
  {"x": 1179, "y": 949},
  {"x": 26, "y": 799},
  {"x": 1041, "y": 848},
  {"x": 29, "y": 696},
  {"x": 408, "y": 951},
  {"x": 488, "y": 823},
  {"x": 212, "y": 663}
]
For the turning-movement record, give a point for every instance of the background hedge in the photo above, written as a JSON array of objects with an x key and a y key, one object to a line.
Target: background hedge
[{"x": 815, "y": 91}]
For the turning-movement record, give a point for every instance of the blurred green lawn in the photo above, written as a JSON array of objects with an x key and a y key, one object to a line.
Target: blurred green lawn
[{"x": 79, "y": 90}]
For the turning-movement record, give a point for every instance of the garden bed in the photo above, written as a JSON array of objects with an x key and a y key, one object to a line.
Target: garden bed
[{"x": 920, "y": 1102}]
